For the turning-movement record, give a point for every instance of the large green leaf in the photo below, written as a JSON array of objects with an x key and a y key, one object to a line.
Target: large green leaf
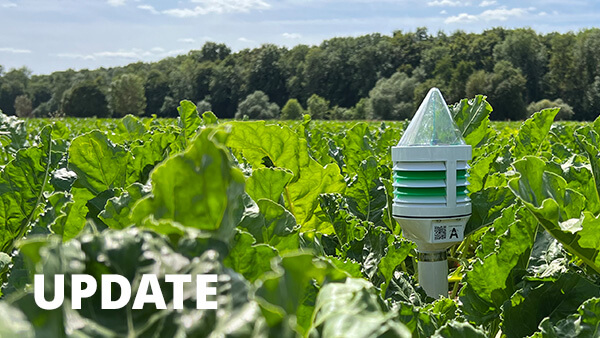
[
  {"x": 274, "y": 146},
  {"x": 347, "y": 226},
  {"x": 22, "y": 184},
  {"x": 249, "y": 258},
  {"x": 272, "y": 225},
  {"x": 299, "y": 272},
  {"x": 396, "y": 253},
  {"x": 585, "y": 323},
  {"x": 487, "y": 205},
  {"x": 189, "y": 120},
  {"x": 302, "y": 200},
  {"x": 581, "y": 178},
  {"x": 354, "y": 309},
  {"x": 198, "y": 188},
  {"x": 72, "y": 217},
  {"x": 116, "y": 213},
  {"x": 472, "y": 119},
  {"x": 553, "y": 300},
  {"x": 268, "y": 145},
  {"x": 424, "y": 319},
  {"x": 100, "y": 165},
  {"x": 133, "y": 253},
  {"x": 533, "y": 132},
  {"x": 356, "y": 148},
  {"x": 459, "y": 330},
  {"x": 494, "y": 275},
  {"x": 145, "y": 156},
  {"x": 588, "y": 140},
  {"x": 558, "y": 209},
  {"x": 367, "y": 194},
  {"x": 268, "y": 183}
]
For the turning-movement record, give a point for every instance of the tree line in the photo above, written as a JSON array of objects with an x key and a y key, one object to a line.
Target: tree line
[{"x": 372, "y": 76}]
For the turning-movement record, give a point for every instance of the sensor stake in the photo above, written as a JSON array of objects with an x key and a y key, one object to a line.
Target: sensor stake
[{"x": 430, "y": 189}]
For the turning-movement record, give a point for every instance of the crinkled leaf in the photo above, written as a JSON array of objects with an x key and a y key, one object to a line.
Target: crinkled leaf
[
  {"x": 354, "y": 309},
  {"x": 472, "y": 119},
  {"x": 198, "y": 188},
  {"x": 314, "y": 180},
  {"x": 146, "y": 156},
  {"x": 396, "y": 253},
  {"x": 189, "y": 120},
  {"x": 558, "y": 209},
  {"x": 298, "y": 272},
  {"x": 22, "y": 184},
  {"x": 268, "y": 183},
  {"x": 272, "y": 225},
  {"x": 356, "y": 148},
  {"x": 459, "y": 330},
  {"x": 132, "y": 253},
  {"x": 257, "y": 140},
  {"x": 100, "y": 165},
  {"x": 494, "y": 275},
  {"x": 585, "y": 323},
  {"x": 533, "y": 132},
  {"x": 116, "y": 213},
  {"x": 487, "y": 205},
  {"x": 536, "y": 301},
  {"x": 588, "y": 140},
  {"x": 249, "y": 258}
]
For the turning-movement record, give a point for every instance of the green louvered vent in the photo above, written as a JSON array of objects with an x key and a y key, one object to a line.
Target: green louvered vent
[{"x": 425, "y": 183}]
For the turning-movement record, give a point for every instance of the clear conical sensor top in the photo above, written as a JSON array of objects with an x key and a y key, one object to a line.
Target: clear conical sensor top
[{"x": 432, "y": 124}]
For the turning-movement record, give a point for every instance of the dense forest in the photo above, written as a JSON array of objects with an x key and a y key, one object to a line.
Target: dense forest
[{"x": 367, "y": 77}]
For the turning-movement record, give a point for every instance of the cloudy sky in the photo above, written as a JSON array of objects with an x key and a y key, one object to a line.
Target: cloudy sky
[{"x": 50, "y": 35}]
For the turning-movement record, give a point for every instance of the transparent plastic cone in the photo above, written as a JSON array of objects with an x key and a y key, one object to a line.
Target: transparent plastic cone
[{"x": 432, "y": 124}]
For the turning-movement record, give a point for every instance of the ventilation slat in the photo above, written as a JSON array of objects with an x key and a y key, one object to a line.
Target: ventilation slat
[
  {"x": 420, "y": 199},
  {"x": 419, "y": 183},
  {"x": 420, "y": 166}
]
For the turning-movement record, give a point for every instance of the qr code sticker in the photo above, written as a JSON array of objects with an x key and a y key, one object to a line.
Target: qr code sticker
[{"x": 439, "y": 232}]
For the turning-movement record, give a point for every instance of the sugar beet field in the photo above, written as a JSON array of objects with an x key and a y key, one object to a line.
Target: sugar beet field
[{"x": 295, "y": 218}]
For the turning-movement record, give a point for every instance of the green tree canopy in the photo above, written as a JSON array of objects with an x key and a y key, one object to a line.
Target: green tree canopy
[
  {"x": 126, "y": 95},
  {"x": 292, "y": 110},
  {"x": 85, "y": 99},
  {"x": 317, "y": 106},
  {"x": 257, "y": 106},
  {"x": 393, "y": 98}
]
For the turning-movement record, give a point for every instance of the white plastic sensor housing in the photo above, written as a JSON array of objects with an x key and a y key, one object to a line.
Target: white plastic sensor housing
[{"x": 430, "y": 188}]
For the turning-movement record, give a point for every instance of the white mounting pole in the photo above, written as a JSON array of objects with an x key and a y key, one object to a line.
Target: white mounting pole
[{"x": 433, "y": 273}]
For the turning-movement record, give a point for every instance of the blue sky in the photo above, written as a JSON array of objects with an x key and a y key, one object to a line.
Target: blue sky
[{"x": 50, "y": 35}]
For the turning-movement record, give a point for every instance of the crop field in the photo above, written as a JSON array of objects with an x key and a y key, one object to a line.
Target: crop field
[{"x": 295, "y": 219}]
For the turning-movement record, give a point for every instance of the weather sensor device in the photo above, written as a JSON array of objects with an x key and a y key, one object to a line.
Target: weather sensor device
[{"x": 430, "y": 189}]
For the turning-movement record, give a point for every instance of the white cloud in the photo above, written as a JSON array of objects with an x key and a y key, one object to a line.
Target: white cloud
[
  {"x": 486, "y": 3},
  {"x": 499, "y": 14},
  {"x": 291, "y": 35},
  {"x": 133, "y": 54},
  {"x": 462, "y": 17},
  {"x": 218, "y": 7},
  {"x": 186, "y": 40},
  {"x": 148, "y": 8},
  {"x": 542, "y": 13},
  {"x": 115, "y": 3},
  {"x": 243, "y": 39},
  {"x": 14, "y": 50},
  {"x": 75, "y": 56},
  {"x": 9, "y": 5},
  {"x": 502, "y": 13},
  {"x": 443, "y": 12},
  {"x": 118, "y": 54},
  {"x": 449, "y": 3}
]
